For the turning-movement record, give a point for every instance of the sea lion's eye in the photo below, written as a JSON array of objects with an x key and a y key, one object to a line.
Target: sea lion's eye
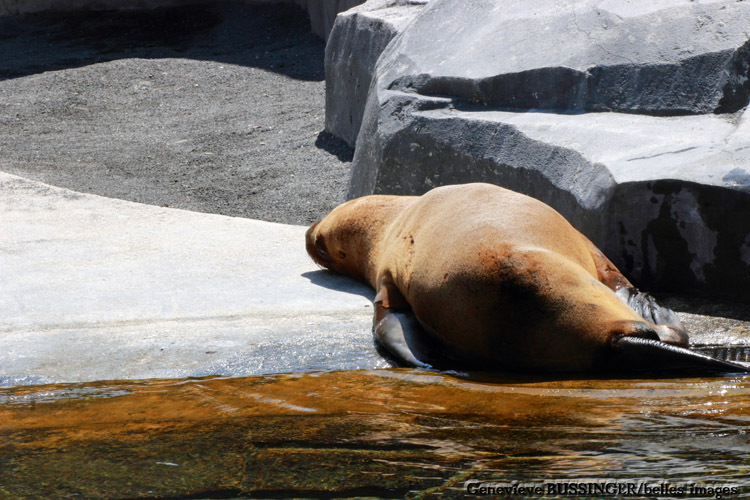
[{"x": 342, "y": 254}]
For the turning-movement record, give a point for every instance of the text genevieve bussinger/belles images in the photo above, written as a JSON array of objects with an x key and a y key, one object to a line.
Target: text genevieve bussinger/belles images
[{"x": 619, "y": 489}]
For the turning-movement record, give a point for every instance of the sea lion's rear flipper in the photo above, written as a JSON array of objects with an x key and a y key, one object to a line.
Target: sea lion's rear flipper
[
  {"x": 642, "y": 303},
  {"x": 402, "y": 336},
  {"x": 647, "y": 307},
  {"x": 651, "y": 355}
]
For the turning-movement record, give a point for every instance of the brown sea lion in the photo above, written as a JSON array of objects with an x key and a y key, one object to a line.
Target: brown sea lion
[{"x": 477, "y": 276}]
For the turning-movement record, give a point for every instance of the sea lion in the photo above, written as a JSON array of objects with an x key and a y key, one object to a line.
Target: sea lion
[{"x": 478, "y": 276}]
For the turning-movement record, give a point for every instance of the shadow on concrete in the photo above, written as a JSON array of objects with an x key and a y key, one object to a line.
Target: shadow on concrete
[
  {"x": 272, "y": 37},
  {"x": 340, "y": 283}
]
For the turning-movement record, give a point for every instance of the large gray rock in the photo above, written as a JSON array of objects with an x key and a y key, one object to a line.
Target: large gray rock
[
  {"x": 669, "y": 57},
  {"x": 499, "y": 92},
  {"x": 355, "y": 43},
  {"x": 323, "y": 13}
]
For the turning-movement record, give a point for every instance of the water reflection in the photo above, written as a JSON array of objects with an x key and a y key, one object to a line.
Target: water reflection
[{"x": 385, "y": 433}]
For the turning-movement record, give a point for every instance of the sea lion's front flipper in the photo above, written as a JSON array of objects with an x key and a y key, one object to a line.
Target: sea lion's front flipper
[
  {"x": 651, "y": 355},
  {"x": 397, "y": 329},
  {"x": 401, "y": 334}
]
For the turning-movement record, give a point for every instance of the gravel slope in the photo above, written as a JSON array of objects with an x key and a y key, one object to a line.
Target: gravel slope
[{"x": 213, "y": 108}]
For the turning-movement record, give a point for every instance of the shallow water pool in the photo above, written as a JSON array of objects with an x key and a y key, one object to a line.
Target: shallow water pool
[{"x": 378, "y": 433}]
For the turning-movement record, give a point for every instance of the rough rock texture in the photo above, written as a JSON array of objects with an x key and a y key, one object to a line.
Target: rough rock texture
[
  {"x": 322, "y": 12},
  {"x": 354, "y": 45},
  {"x": 674, "y": 57},
  {"x": 505, "y": 92}
]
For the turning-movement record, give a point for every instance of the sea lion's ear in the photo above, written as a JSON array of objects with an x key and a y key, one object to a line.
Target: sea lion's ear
[{"x": 636, "y": 353}]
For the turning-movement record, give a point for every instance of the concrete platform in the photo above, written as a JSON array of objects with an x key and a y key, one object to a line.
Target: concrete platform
[{"x": 96, "y": 288}]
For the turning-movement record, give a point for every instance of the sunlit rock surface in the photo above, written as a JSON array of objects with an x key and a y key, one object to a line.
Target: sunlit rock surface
[
  {"x": 98, "y": 289},
  {"x": 357, "y": 39},
  {"x": 628, "y": 119}
]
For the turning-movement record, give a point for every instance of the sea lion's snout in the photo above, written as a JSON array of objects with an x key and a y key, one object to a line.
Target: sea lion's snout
[
  {"x": 310, "y": 240},
  {"x": 315, "y": 246}
]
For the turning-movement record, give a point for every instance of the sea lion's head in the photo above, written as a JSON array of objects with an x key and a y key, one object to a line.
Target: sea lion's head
[
  {"x": 345, "y": 241},
  {"x": 329, "y": 245}
]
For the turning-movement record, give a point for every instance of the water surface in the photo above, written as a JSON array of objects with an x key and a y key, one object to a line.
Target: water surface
[{"x": 383, "y": 433}]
